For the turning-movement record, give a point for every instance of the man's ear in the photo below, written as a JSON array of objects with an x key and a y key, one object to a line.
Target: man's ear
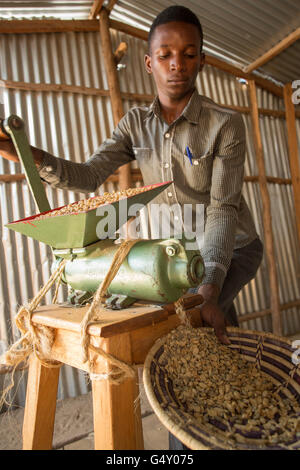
[
  {"x": 147, "y": 60},
  {"x": 202, "y": 61}
]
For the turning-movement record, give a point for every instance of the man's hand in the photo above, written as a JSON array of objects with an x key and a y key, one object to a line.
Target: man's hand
[
  {"x": 211, "y": 313},
  {"x": 8, "y": 151},
  {"x": 213, "y": 316}
]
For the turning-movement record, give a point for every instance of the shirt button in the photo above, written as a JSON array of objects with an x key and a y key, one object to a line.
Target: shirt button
[
  {"x": 167, "y": 135},
  {"x": 48, "y": 168},
  {"x": 195, "y": 162},
  {"x": 176, "y": 217},
  {"x": 170, "y": 194},
  {"x": 166, "y": 165}
]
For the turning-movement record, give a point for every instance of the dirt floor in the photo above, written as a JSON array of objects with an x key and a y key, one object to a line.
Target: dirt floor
[{"x": 73, "y": 428}]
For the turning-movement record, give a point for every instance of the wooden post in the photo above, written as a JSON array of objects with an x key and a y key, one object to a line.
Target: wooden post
[
  {"x": 293, "y": 149},
  {"x": 116, "y": 408},
  {"x": 114, "y": 88},
  {"x": 40, "y": 406},
  {"x": 267, "y": 217}
]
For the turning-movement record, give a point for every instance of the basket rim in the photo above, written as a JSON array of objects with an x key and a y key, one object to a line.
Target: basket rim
[{"x": 172, "y": 427}]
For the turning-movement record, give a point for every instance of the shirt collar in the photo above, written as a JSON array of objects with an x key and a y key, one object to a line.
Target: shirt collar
[
  {"x": 154, "y": 108},
  {"x": 193, "y": 109},
  {"x": 191, "y": 112}
]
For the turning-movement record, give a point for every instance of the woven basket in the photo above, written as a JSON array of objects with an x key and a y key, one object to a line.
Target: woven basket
[{"x": 272, "y": 354}]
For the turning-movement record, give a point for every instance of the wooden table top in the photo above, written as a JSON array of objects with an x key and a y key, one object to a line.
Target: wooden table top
[{"x": 108, "y": 322}]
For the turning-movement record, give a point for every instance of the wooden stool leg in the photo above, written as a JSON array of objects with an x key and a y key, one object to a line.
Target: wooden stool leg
[
  {"x": 117, "y": 411},
  {"x": 40, "y": 406}
]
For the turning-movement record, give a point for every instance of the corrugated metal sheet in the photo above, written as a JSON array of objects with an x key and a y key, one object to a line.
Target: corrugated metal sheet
[
  {"x": 238, "y": 31},
  {"x": 72, "y": 125}
]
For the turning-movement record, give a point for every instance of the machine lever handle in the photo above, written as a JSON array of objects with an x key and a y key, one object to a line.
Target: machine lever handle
[{"x": 13, "y": 127}]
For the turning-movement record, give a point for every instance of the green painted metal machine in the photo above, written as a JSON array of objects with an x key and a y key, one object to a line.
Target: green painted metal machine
[{"x": 158, "y": 271}]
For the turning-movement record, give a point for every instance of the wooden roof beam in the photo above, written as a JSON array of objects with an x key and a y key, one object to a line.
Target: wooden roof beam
[
  {"x": 274, "y": 51},
  {"x": 239, "y": 73},
  {"x": 47, "y": 26}
]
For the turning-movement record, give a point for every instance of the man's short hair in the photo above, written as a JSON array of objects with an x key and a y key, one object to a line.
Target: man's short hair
[{"x": 175, "y": 13}]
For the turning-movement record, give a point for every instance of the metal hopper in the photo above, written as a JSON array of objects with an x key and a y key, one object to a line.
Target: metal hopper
[
  {"x": 65, "y": 231},
  {"x": 79, "y": 230}
]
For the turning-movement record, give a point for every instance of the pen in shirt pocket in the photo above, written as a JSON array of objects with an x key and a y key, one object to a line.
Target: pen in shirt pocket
[{"x": 189, "y": 154}]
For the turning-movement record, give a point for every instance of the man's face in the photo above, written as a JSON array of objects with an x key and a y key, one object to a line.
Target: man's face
[{"x": 175, "y": 58}]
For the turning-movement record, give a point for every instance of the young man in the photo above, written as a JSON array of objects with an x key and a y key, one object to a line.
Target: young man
[{"x": 158, "y": 137}]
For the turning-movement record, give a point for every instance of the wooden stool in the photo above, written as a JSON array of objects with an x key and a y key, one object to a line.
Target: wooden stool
[{"x": 127, "y": 335}]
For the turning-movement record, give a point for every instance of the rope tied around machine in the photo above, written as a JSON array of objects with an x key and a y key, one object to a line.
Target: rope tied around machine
[
  {"x": 38, "y": 339},
  {"x": 123, "y": 370}
]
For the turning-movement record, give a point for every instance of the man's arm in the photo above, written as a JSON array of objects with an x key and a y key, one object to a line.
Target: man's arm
[
  {"x": 8, "y": 151},
  {"x": 83, "y": 177},
  {"x": 222, "y": 216},
  {"x": 225, "y": 195}
]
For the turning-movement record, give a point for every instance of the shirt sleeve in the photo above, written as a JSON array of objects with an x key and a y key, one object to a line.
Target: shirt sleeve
[
  {"x": 88, "y": 176},
  {"x": 225, "y": 195}
]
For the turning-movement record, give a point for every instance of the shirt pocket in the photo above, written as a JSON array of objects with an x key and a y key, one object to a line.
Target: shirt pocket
[
  {"x": 144, "y": 157},
  {"x": 198, "y": 175},
  {"x": 141, "y": 152}
]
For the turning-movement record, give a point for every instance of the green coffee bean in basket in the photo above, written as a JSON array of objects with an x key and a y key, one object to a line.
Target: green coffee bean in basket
[{"x": 246, "y": 395}]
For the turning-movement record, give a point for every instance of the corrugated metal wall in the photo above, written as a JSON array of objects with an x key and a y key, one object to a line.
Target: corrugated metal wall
[{"x": 72, "y": 125}]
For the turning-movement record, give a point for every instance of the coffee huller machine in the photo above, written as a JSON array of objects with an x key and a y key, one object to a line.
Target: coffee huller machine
[{"x": 158, "y": 271}]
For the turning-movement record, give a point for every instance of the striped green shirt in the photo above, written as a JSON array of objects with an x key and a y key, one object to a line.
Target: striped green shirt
[{"x": 215, "y": 137}]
